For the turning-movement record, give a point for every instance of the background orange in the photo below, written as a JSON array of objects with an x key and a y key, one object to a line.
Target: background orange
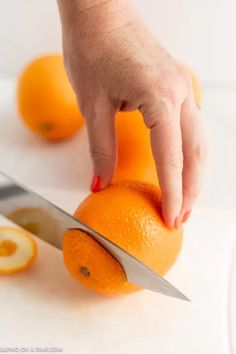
[{"x": 46, "y": 101}]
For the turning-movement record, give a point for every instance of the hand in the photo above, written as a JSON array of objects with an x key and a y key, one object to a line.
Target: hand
[{"x": 114, "y": 63}]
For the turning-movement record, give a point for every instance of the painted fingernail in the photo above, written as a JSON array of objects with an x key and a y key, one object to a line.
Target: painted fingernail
[
  {"x": 186, "y": 216},
  {"x": 177, "y": 223},
  {"x": 96, "y": 184}
]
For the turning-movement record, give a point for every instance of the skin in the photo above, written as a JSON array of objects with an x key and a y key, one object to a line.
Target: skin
[{"x": 114, "y": 63}]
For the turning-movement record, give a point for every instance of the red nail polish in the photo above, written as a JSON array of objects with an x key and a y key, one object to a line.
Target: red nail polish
[
  {"x": 176, "y": 223},
  {"x": 186, "y": 216},
  {"x": 96, "y": 184}
]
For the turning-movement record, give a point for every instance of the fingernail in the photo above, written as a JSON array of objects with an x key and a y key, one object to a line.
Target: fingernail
[
  {"x": 186, "y": 216},
  {"x": 96, "y": 184},
  {"x": 177, "y": 223}
]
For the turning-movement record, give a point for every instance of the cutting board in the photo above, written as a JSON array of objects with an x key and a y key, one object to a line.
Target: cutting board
[{"x": 44, "y": 307}]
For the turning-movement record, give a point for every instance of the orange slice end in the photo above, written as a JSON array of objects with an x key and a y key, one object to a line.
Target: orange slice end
[{"x": 18, "y": 250}]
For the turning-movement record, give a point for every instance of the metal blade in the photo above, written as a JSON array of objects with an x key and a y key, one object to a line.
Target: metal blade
[{"x": 14, "y": 197}]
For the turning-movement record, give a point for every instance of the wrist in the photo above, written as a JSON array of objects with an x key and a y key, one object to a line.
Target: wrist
[{"x": 88, "y": 19}]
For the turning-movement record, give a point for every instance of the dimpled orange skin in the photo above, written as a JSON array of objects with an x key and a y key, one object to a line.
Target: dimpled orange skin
[
  {"x": 128, "y": 213},
  {"x": 46, "y": 101},
  {"x": 135, "y": 159}
]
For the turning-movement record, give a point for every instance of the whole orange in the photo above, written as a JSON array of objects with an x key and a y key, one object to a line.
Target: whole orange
[
  {"x": 129, "y": 214},
  {"x": 135, "y": 160},
  {"x": 46, "y": 101}
]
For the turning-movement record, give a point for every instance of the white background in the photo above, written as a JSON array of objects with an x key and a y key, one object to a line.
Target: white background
[{"x": 202, "y": 32}]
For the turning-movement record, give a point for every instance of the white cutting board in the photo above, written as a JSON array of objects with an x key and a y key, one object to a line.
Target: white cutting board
[{"x": 45, "y": 307}]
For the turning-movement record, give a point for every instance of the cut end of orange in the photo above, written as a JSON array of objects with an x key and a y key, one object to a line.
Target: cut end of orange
[
  {"x": 18, "y": 250},
  {"x": 91, "y": 264}
]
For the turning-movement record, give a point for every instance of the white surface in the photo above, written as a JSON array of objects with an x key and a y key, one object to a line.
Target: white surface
[
  {"x": 202, "y": 32},
  {"x": 45, "y": 307}
]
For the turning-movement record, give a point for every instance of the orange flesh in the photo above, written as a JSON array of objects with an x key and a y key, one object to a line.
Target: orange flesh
[
  {"x": 7, "y": 248},
  {"x": 18, "y": 250}
]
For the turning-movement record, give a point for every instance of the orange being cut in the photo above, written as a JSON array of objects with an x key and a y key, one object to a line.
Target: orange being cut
[
  {"x": 93, "y": 266},
  {"x": 129, "y": 214},
  {"x": 18, "y": 250},
  {"x": 46, "y": 100}
]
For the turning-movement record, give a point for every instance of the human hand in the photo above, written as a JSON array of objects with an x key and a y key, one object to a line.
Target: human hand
[{"x": 114, "y": 63}]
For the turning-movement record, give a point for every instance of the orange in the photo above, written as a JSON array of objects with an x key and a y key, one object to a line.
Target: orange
[
  {"x": 197, "y": 91},
  {"x": 18, "y": 250},
  {"x": 46, "y": 101},
  {"x": 135, "y": 160},
  {"x": 129, "y": 214}
]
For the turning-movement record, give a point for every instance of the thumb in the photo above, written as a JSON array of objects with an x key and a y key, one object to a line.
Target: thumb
[{"x": 102, "y": 141}]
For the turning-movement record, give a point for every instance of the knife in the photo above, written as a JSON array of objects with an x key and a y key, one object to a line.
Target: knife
[{"x": 14, "y": 196}]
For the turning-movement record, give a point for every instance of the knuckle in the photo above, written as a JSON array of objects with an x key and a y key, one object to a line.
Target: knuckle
[
  {"x": 172, "y": 160},
  {"x": 197, "y": 153},
  {"x": 174, "y": 163},
  {"x": 100, "y": 155},
  {"x": 167, "y": 90},
  {"x": 158, "y": 113},
  {"x": 166, "y": 85},
  {"x": 190, "y": 192},
  {"x": 174, "y": 85}
]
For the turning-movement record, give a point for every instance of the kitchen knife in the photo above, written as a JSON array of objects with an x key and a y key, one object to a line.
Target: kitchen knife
[{"x": 14, "y": 196}]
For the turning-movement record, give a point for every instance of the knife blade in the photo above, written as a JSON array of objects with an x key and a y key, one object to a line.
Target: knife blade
[{"x": 14, "y": 196}]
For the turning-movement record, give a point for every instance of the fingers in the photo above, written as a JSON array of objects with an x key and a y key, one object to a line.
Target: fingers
[
  {"x": 101, "y": 133},
  {"x": 194, "y": 151},
  {"x": 164, "y": 122}
]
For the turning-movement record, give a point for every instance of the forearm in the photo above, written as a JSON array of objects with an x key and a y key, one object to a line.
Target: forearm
[{"x": 89, "y": 22}]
